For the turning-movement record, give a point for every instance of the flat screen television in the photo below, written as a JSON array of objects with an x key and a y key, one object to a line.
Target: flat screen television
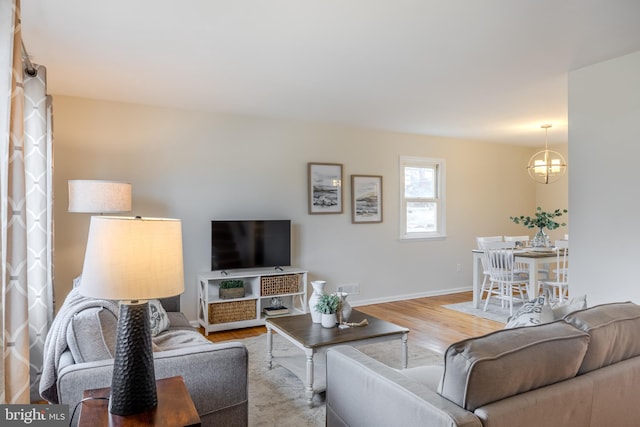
[{"x": 250, "y": 244}]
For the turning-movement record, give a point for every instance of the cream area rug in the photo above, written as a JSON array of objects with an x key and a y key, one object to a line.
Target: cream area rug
[
  {"x": 494, "y": 310},
  {"x": 276, "y": 396}
]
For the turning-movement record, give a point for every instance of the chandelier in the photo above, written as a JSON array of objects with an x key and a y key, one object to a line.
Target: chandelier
[{"x": 546, "y": 166}]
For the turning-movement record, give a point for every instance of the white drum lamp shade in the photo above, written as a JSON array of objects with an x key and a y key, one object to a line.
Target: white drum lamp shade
[
  {"x": 133, "y": 260},
  {"x": 99, "y": 196}
]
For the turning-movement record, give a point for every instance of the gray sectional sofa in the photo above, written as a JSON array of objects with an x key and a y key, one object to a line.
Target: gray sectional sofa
[
  {"x": 583, "y": 370},
  {"x": 215, "y": 374}
]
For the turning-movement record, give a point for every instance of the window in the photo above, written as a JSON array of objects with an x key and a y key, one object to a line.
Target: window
[{"x": 422, "y": 204}]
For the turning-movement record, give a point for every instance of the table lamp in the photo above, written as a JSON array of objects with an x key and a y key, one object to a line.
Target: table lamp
[{"x": 133, "y": 260}]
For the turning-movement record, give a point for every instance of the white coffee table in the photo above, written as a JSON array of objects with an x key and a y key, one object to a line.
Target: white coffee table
[{"x": 314, "y": 340}]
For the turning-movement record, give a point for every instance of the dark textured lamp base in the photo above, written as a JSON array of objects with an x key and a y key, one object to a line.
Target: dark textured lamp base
[{"x": 133, "y": 385}]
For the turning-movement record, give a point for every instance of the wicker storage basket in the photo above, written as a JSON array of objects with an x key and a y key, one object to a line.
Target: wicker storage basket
[
  {"x": 232, "y": 311},
  {"x": 281, "y": 284}
]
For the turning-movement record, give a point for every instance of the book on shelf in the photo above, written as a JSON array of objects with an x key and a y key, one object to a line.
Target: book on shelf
[{"x": 275, "y": 311}]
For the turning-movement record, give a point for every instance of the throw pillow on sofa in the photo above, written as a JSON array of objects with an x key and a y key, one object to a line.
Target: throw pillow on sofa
[
  {"x": 531, "y": 313},
  {"x": 574, "y": 304},
  {"x": 158, "y": 317}
]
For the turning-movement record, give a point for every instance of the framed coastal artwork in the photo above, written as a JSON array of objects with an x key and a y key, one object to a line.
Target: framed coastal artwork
[
  {"x": 325, "y": 188},
  {"x": 366, "y": 199}
]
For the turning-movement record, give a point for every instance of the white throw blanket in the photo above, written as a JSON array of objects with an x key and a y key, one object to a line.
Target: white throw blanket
[{"x": 56, "y": 342}]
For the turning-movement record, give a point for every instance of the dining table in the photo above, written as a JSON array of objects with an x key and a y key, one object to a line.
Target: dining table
[{"x": 535, "y": 259}]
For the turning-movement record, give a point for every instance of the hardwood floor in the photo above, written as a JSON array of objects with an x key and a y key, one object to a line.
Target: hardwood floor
[{"x": 432, "y": 326}]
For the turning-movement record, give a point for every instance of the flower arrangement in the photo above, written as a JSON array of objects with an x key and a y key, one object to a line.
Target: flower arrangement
[{"x": 541, "y": 219}]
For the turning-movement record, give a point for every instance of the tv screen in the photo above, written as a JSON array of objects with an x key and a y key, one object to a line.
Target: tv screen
[{"x": 250, "y": 244}]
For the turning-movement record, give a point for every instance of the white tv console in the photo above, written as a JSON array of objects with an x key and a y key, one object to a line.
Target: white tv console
[{"x": 289, "y": 284}]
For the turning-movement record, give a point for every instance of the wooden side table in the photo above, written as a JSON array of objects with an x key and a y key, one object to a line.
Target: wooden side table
[{"x": 175, "y": 408}]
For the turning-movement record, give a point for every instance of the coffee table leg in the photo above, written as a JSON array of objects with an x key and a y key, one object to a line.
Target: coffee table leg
[
  {"x": 405, "y": 350},
  {"x": 309, "y": 391},
  {"x": 269, "y": 345}
]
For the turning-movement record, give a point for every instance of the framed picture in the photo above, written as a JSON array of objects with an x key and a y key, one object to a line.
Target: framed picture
[
  {"x": 366, "y": 198},
  {"x": 325, "y": 188}
]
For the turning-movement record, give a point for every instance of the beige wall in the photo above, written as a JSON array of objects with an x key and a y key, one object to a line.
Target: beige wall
[
  {"x": 604, "y": 112},
  {"x": 199, "y": 166}
]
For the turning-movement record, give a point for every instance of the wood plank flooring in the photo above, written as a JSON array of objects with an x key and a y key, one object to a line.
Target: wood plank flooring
[{"x": 432, "y": 326}]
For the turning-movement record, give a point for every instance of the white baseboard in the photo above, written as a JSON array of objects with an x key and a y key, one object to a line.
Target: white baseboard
[{"x": 392, "y": 298}]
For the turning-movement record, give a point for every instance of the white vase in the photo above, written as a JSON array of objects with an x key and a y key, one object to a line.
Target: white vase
[
  {"x": 329, "y": 320},
  {"x": 345, "y": 307},
  {"x": 318, "y": 289}
]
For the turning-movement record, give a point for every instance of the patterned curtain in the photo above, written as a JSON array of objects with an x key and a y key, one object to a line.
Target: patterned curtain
[{"x": 25, "y": 213}]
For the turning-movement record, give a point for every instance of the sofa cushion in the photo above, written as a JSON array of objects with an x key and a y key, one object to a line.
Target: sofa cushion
[
  {"x": 614, "y": 330},
  {"x": 182, "y": 338},
  {"x": 178, "y": 321},
  {"x": 171, "y": 304},
  {"x": 91, "y": 335},
  {"x": 531, "y": 313},
  {"x": 511, "y": 361}
]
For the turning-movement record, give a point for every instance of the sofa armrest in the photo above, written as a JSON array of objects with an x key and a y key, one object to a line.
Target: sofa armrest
[
  {"x": 364, "y": 392},
  {"x": 215, "y": 375}
]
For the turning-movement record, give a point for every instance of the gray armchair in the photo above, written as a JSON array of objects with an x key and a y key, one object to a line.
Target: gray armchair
[{"x": 215, "y": 374}]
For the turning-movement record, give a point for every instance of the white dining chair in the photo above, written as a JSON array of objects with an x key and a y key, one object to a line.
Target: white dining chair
[
  {"x": 481, "y": 241},
  {"x": 523, "y": 242},
  {"x": 556, "y": 288},
  {"x": 505, "y": 283}
]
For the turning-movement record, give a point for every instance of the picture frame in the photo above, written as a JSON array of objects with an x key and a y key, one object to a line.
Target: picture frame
[
  {"x": 324, "y": 188},
  {"x": 366, "y": 199}
]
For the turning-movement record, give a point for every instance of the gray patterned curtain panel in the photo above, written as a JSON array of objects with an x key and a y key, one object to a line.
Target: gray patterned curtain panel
[{"x": 26, "y": 223}]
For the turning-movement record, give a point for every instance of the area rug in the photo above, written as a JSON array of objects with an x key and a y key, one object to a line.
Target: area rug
[
  {"x": 276, "y": 396},
  {"x": 494, "y": 310}
]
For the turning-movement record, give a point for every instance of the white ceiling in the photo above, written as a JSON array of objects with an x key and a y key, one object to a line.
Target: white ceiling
[{"x": 492, "y": 70}]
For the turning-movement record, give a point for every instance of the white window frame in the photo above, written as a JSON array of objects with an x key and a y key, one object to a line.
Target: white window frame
[{"x": 439, "y": 199}]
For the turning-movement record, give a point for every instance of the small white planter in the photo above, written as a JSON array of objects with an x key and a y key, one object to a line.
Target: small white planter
[{"x": 329, "y": 320}]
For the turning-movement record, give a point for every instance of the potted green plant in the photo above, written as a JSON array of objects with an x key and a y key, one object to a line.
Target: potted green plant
[
  {"x": 328, "y": 305},
  {"x": 541, "y": 220},
  {"x": 231, "y": 289}
]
